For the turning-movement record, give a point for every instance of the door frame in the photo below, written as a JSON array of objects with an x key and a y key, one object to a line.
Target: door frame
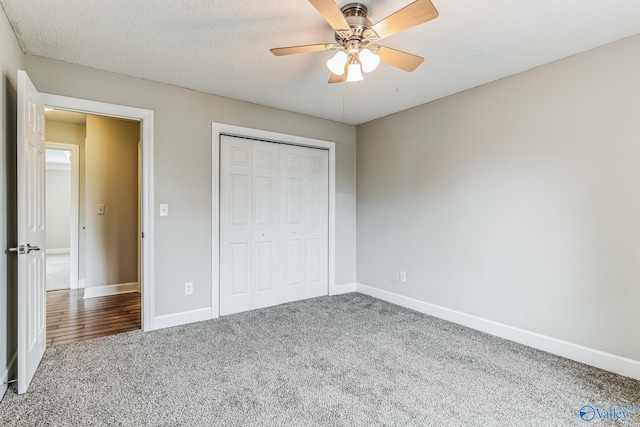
[
  {"x": 75, "y": 204},
  {"x": 146, "y": 129},
  {"x": 219, "y": 129}
]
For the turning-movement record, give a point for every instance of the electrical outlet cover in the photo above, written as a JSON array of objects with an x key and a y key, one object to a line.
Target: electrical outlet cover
[{"x": 188, "y": 288}]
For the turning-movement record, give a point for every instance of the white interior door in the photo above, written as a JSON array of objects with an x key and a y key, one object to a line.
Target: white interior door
[
  {"x": 265, "y": 239},
  {"x": 274, "y": 202},
  {"x": 235, "y": 225},
  {"x": 293, "y": 223},
  {"x": 317, "y": 223},
  {"x": 31, "y": 231},
  {"x": 305, "y": 223},
  {"x": 249, "y": 232}
]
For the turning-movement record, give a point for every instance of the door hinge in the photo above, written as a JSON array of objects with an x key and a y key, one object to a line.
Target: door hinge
[
  {"x": 142, "y": 234},
  {"x": 21, "y": 250}
]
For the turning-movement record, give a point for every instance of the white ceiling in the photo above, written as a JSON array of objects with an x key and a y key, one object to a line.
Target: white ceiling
[
  {"x": 66, "y": 117},
  {"x": 222, "y": 46}
]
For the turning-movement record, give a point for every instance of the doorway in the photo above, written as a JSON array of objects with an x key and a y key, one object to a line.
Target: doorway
[
  {"x": 92, "y": 226},
  {"x": 62, "y": 190},
  {"x": 58, "y": 218},
  {"x": 145, "y": 159}
]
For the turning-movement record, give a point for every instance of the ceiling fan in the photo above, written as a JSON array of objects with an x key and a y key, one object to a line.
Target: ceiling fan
[{"x": 356, "y": 38}]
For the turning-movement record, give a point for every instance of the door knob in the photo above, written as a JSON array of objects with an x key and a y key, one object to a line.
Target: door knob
[
  {"x": 18, "y": 249},
  {"x": 263, "y": 234},
  {"x": 22, "y": 250}
]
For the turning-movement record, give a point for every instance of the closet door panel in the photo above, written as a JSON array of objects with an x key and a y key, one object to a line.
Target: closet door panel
[
  {"x": 305, "y": 229},
  {"x": 293, "y": 223},
  {"x": 235, "y": 225},
  {"x": 317, "y": 222},
  {"x": 266, "y": 224}
]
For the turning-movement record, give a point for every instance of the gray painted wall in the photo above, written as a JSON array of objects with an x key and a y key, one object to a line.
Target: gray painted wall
[
  {"x": 516, "y": 201},
  {"x": 58, "y": 214},
  {"x": 183, "y": 168},
  {"x": 11, "y": 59},
  {"x": 112, "y": 180}
]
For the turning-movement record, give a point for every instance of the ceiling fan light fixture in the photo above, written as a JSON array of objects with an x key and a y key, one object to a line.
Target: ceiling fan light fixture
[
  {"x": 337, "y": 63},
  {"x": 354, "y": 74},
  {"x": 354, "y": 34},
  {"x": 369, "y": 60}
]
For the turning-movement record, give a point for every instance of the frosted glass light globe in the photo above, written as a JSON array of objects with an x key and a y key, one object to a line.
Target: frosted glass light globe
[
  {"x": 337, "y": 63},
  {"x": 353, "y": 73},
  {"x": 369, "y": 60}
]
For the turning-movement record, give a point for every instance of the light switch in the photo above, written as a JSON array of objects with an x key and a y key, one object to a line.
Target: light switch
[
  {"x": 164, "y": 210},
  {"x": 100, "y": 209}
]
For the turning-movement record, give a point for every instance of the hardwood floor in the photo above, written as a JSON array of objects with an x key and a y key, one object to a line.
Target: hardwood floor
[{"x": 71, "y": 318}]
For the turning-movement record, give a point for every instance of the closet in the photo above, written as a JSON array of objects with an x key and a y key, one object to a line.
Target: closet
[{"x": 273, "y": 223}]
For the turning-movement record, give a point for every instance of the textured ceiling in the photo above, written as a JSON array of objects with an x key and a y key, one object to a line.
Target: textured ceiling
[{"x": 222, "y": 46}]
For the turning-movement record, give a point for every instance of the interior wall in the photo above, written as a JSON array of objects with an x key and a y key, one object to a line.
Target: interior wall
[
  {"x": 516, "y": 201},
  {"x": 182, "y": 176},
  {"x": 111, "y": 180},
  {"x": 58, "y": 214},
  {"x": 11, "y": 59},
  {"x": 73, "y": 133}
]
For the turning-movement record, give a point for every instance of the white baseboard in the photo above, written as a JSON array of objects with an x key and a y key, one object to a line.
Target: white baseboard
[
  {"x": 57, "y": 289},
  {"x": 599, "y": 359},
  {"x": 343, "y": 289},
  {"x": 8, "y": 372},
  {"x": 177, "y": 319},
  {"x": 101, "y": 291},
  {"x": 58, "y": 251}
]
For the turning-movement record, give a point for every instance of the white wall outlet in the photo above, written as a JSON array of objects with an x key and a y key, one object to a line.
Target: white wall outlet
[
  {"x": 188, "y": 288},
  {"x": 100, "y": 209},
  {"x": 403, "y": 277},
  {"x": 164, "y": 210}
]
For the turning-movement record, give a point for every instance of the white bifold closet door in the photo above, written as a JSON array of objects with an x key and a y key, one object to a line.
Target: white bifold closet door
[{"x": 273, "y": 223}]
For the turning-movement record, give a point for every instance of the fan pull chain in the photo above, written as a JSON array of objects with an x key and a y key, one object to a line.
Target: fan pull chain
[{"x": 344, "y": 85}]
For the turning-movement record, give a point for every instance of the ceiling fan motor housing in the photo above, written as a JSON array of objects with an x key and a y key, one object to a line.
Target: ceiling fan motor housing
[
  {"x": 354, "y": 9},
  {"x": 356, "y": 16}
]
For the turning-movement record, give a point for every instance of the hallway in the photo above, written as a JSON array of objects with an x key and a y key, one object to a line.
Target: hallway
[{"x": 70, "y": 318}]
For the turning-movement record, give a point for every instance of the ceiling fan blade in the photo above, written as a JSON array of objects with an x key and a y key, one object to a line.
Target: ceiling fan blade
[
  {"x": 416, "y": 13},
  {"x": 336, "y": 78},
  {"x": 399, "y": 59},
  {"x": 331, "y": 13},
  {"x": 280, "y": 51}
]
